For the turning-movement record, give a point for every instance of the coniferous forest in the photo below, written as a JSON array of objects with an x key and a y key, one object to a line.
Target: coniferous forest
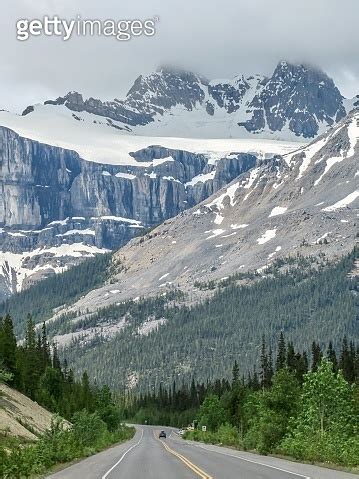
[
  {"x": 292, "y": 391},
  {"x": 34, "y": 368},
  {"x": 42, "y": 298},
  {"x": 308, "y": 300},
  {"x": 298, "y": 406}
]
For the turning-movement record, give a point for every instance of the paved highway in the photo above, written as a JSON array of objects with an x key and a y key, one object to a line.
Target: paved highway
[{"x": 147, "y": 457}]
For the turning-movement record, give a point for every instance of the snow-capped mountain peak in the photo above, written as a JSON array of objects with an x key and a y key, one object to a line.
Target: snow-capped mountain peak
[{"x": 296, "y": 102}]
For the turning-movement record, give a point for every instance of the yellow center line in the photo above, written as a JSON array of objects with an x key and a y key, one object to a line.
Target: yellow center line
[{"x": 202, "y": 474}]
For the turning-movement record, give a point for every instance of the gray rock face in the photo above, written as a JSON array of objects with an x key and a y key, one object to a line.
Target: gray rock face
[
  {"x": 50, "y": 197},
  {"x": 301, "y": 204},
  {"x": 300, "y": 96},
  {"x": 164, "y": 89},
  {"x": 296, "y": 98},
  {"x": 112, "y": 110},
  {"x": 229, "y": 96}
]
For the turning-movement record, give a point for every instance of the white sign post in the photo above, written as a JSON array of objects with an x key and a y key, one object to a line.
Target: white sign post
[{"x": 204, "y": 428}]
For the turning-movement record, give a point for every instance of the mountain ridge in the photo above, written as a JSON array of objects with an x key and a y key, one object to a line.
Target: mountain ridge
[
  {"x": 78, "y": 185},
  {"x": 304, "y": 203},
  {"x": 57, "y": 208},
  {"x": 298, "y": 100}
]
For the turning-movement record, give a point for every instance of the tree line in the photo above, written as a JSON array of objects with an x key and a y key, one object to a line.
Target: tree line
[
  {"x": 65, "y": 288},
  {"x": 307, "y": 298},
  {"x": 33, "y": 367},
  {"x": 304, "y": 406}
]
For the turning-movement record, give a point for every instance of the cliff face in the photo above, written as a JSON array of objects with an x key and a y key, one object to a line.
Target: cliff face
[
  {"x": 40, "y": 184},
  {"x": 50, "y": 197},
  {"x": 303, "y": 204}
]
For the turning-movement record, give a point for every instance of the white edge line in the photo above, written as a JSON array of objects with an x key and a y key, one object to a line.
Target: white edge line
[
  {"x": 123, "y": 456},
  {"x": 240, "y": 458}
]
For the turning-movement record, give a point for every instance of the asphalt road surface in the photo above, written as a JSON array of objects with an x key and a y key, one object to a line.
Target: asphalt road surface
[{"x": 148, "y": 457}]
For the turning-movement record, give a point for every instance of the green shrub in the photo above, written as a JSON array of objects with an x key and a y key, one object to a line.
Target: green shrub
[
  {"x": 88, "y": 428},
  {"x": 88, "y": 435},
  {"x": 228, "y": 435}
]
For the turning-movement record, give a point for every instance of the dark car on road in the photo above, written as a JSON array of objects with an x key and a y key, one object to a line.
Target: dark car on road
[{"x": 162, "y": 435}]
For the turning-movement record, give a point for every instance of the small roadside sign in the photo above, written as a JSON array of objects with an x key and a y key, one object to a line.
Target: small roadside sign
[{"x": 204, "y": 428}]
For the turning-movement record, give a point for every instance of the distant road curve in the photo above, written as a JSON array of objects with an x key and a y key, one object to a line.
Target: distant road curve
[{"x": 147, "y": 457}]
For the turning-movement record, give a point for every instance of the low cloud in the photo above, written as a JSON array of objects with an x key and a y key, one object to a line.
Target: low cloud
[{"x": 216, "y": 39}]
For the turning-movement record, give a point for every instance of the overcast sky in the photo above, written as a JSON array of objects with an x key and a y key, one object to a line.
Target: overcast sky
[{"x": 218, "y": 39}]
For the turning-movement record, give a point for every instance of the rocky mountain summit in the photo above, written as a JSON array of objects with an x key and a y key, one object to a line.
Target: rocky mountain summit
[
  {"x": 297, "y": 101},
  {"x": 79, "y": 177}
]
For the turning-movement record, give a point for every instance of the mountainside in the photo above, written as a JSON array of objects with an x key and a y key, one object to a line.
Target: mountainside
[
  {"x": 161, "y": 340},
  {"x": 21, "y": 416},
  {"x": 178, "y": 289},
  {"x": 157, "y": 340},
  {"x": 296, "y": 101},
  {"x": 305, "y": 202},
  {"x": 78, "y": 177},
  {"x": 190, "y": 217},
  {"x": 57, "y": 208}
]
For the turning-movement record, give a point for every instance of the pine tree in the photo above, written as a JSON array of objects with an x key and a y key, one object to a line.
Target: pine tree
[
  {"x": 316, "y": 356},
  {"x": 193, "y": 394},
  {"x": 346, "y": 361},
  {"x": 356, "y": 366},
  {"x": 270, "y": 366},
  {"x": 86, "y": 396},
  {"x": 235, "y": 373},
  {"x": 301, "y": 366},
  {"x": 55, "y": 358},
  {"x": 45, "y": 347},
  {"x": 30, "y": 334},
  {"x": 31, "y": 364},
  {"x": 265, "y": 368},
  {"x": 331, "y": 355},
  {"x": 8, "y": 348},
  {"x": 291, "y": 361},
  {"x": 255, "y": 382},
  {"x": 282, "y": 353}
]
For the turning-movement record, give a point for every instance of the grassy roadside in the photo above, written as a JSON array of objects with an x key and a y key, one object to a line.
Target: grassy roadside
[
  {"x": 59, "y": 447},
  {"x": 227, "y": 438},
  {"x": 64, "y": 465}
]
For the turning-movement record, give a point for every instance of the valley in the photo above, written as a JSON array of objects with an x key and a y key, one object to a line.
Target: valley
[{"x": 179, "y": 226}]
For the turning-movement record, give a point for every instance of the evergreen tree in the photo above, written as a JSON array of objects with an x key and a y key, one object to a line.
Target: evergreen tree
[
  {"x": 291, "y": 360},
  {"x": 281, "y": 361},
  {"x": 356, "y": 365},
  {"x": 31, "y": 361},
  {"x": 346, "y": 361},
  {"x": 45, "y": 347},
  {"x": 56, "y": 364},
  {"x": 8, "y": 348},
  {"x": 270, "y": 366},
  {"x": 193, "y": 394},
  {"x": 30, "y": 334},
  {"x": 265, "y": 368},
  {"x": 235, "y": 373},
  {"x": 316, "y": 356},
  {"x": 331, "y": 355},
  {"x": 86, "y": 395},
  {"x": 301, "y": 366},
  {"x": 255, "y": 382}
]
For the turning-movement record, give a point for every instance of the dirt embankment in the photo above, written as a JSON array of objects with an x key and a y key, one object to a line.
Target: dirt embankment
[{"x": 20, "y": 416}]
